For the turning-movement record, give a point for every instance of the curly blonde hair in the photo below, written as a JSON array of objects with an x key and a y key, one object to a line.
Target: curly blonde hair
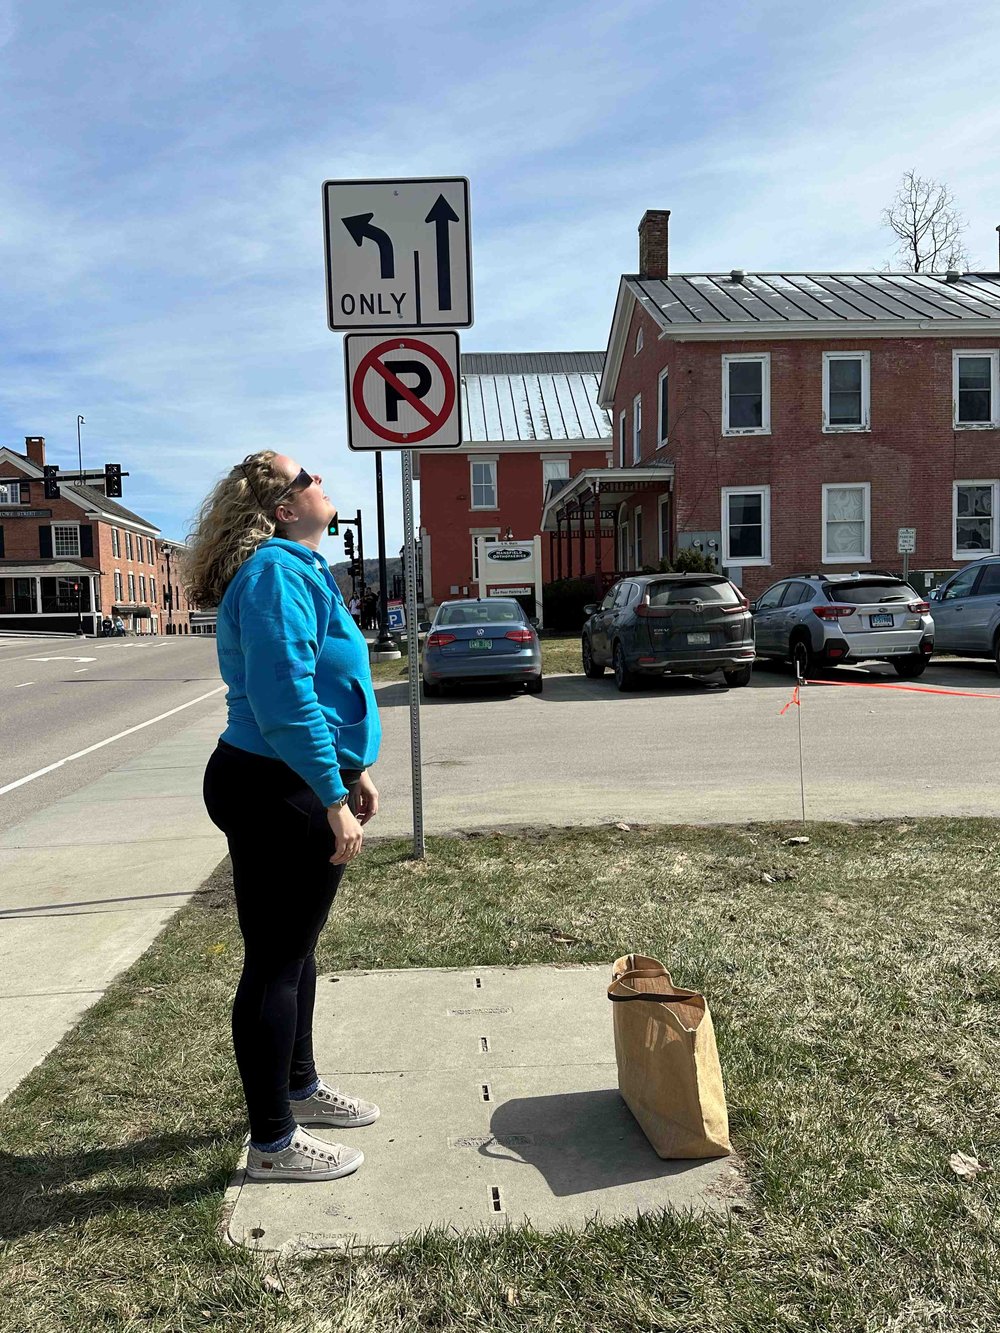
[{"x": 235, "y": 518}]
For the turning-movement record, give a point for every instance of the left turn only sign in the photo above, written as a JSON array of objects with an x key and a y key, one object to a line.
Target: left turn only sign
[{"x": 403, "y": 391}]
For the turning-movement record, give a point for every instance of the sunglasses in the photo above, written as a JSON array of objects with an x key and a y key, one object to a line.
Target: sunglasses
[{"x": 301, "y": 483}]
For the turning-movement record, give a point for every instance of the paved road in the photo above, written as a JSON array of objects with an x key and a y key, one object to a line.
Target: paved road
[
  {"x": 60, "y": 696},
  {"x": 682, "y": 751}
]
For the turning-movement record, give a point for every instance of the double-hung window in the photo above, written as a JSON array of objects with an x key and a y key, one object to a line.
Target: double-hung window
[
  {"x": 12, "y": 494},
  {"x": 746, "y": 394},
  {"x": 662, "y": 416},
  {"x": 553, "y": 469},
  {"x": 621, "y": 439},
  {"x": 847, "y": 524},
  {"x": 128, "y": 546},
  {"x": 142, "y": 587},
  {"x": 116, "y": 545},
  {"x": 489, "y": 538},
  {"x": 118, "y": 585},
  {"x": 65, "y": 540},
  {"x": 975, "y": 389},
  {"x": 131, "y": 588},
  {"x": 746, "y": 525},
  {"x": 483, "y": 483},
  {"x": 975, "y": 519},
  {"x": 152, "y": 589},
  {"x": 846, "y": 391},
  {"x": 637, "y": 428}
]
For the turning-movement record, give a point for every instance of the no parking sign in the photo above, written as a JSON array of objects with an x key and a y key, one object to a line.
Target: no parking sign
[{"x": 403, "y": 391}]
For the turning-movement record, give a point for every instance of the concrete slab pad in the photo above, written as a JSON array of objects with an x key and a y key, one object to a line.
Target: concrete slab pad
[
  {"x": 100, "y": 823},
  {"x": 500, "y": 1105}
]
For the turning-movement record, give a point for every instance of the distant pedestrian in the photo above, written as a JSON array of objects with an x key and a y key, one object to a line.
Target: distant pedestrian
[
  {"x": 369, "y": 613},
  {"x": 289, "y": 787},
  {"x": 355, "y": 610},
  {"x": 119, "y": 627}
]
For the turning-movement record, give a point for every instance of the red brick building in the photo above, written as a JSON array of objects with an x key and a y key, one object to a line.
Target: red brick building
[
  {"x": 797, "y": 421},
  {"x": 67, "y": 563},
  {"x": 530, "y": 421}
]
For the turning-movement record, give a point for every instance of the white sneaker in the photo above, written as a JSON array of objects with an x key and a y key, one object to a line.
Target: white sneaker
[
  {"x": 335, "y": 1110},
  {"x": 305, "y": 1158}
]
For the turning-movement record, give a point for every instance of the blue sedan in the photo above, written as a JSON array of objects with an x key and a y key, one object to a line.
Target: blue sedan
[{"x": 486, "y": 640}]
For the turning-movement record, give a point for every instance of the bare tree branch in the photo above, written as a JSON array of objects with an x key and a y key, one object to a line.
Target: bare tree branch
[{"x": 928, "y": 226}]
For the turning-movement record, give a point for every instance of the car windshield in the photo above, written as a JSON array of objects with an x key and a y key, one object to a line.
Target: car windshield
[
  {"x": 671, "y": 594},
  {"x": 862, "y": 591},
  {"x": 481, "y": 613}
]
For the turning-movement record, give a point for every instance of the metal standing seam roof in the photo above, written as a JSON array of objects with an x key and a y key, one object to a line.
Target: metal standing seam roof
[
  {"x": 801, "y": 299},
  {"x": 530, "y": 396}
]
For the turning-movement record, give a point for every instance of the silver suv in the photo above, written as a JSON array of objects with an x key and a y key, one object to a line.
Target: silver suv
[
  {"x": 817, "y": 620},
  {"x": 967, "y": 611}
]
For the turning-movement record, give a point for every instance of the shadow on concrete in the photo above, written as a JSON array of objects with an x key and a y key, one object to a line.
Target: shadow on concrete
[{"x": 578, "y": 1141}]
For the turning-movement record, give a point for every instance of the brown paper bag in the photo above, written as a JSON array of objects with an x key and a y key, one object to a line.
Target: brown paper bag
[{"x": 668, "y": 1064}]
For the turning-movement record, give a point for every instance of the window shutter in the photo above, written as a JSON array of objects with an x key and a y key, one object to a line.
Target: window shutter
[
  {"x": 26, "y": 492},
  {"x": 86, "y": 539},
  {"x": 1, "y": 541},
  {"x": 45, "y": 541}
]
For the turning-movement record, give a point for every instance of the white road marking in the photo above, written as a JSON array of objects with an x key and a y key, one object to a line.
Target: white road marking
[
  {"x": 23, "y": 683},
  {"x": 50, "y": 768},
  {"x": 60, "y": 659},
  {"x": 79, "y": 669}
]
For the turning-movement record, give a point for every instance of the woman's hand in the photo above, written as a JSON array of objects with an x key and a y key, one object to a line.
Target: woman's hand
[
  {"x": 365, "y": 800},
  {"x": 348, "y": 833}
]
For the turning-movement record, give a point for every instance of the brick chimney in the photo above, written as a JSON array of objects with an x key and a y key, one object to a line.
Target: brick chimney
[
  {"x": 653, "y": 243},
  {"x": 34, "y": 447}
]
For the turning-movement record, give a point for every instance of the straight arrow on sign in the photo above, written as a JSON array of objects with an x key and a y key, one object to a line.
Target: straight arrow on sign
[{"x": 441, "y": 215}]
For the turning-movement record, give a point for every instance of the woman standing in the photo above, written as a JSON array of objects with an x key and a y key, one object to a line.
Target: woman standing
[{"x": 289, "y": 787}]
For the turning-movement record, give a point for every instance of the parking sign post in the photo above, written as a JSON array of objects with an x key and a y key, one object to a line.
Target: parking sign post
[{"x": 412, "y": 654}]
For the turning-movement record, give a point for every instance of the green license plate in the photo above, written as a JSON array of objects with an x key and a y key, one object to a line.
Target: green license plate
[{"x": 480, "y": 643}]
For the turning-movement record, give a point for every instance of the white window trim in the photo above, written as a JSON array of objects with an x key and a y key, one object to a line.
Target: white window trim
[
  {"x": 638, "y": 342},
  {"x": 663, "y": 500},
  {"x": 621, "y": 439},
  {"x": 131, "y": 588},
  {"x": 116, "y": 544},
  {"x": 555, "y": 458},
  {"x": 765, "y": 383},
  {"x": 119, "y": 587},
  {"x": 636, "y": 525},
  {"x": 661, "y": 438},
  {"x": 956, "y": 554},
  {"x": 12, "y": 481},
  {"x": 637, "y": 429},
  {"x": 765, "y": 525},
  {"x": 494, "y": 463},
  {"x": 865, "y": 359},
  {"x": 994, "y": 356},
  {"x": 64, "y": 523},
  {"x": 491, "y": 534},
  {"x": 866, "y": 556}
]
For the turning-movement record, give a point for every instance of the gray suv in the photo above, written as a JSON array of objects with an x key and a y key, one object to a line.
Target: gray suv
[
  {"x": 967, "y": 611},
  {"x": 816, "y": 620}
]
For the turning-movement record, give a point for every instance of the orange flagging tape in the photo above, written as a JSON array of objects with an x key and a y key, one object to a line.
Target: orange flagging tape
[
  {"x": 907, "y": 689},
  {"x": 793, "y": 700}
]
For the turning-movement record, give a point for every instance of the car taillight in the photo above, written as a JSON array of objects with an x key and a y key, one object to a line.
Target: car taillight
[
  {"x": 742, "y": 605},
  {"x": 438, "y": 639},
  {"x": 522, "y": 635},
  {"x": 833, "y": 612},
  {"x": 919, "y": 608}
]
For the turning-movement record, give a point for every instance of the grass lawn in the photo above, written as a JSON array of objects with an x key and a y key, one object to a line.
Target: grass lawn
[
  {"x": 854, "y": 983},
  {"x": 559, "y": 656}
]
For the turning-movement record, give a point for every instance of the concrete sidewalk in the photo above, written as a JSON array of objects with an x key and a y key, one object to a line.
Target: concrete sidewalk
[{"x": 90, "y": 881}]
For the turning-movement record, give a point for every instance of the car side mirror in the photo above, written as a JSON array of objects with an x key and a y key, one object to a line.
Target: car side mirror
[
  {"x": 423, "y": 627},
  {"x": 533, "y": 622},
  {"x": 753, "y": 608},
  {"x": 591, "y": 609},
  {"x": 934, "y": 595}
]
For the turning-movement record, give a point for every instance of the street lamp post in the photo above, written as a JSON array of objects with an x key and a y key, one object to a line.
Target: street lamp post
[
  {"x": 167, "y": 550},
  {"x": 80, "y": 421},
  {"x": 385, "y": 642}
]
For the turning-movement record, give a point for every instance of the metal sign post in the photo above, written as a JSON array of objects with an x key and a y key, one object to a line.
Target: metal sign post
[
  {"x": 906, "y": 544},
  {"x": 412, "y": 654}
]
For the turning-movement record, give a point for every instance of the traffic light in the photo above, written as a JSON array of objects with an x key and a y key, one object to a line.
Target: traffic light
[
  {"x": 112, "y": 480},
  {"x": 50, "y": 485},
  {"x": 334, "y": 527},
  {"x": 355, "y": 569},
  {"x": 349, "y": 544}
]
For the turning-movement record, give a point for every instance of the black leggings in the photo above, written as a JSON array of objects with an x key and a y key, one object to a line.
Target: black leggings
[{"x": 280, "y": 845}]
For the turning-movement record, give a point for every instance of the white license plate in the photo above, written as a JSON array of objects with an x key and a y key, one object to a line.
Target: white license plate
[
  {"x": 699, "y": 638},
  {"x": 480, "y": 643},
  {"x": 882, "y": 621}
]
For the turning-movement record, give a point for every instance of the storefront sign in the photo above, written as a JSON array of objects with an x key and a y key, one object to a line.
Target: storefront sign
[{"x": 5, "y": 514}]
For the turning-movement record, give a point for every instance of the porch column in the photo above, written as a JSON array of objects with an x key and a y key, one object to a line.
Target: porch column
[
  {"x": 598, "y": 556},
  {"x": 38, "y": 596},
  {"x": 552, "y": 554},
  {"x": 559, "y": 545},
  {"x": 583, "y": 528},
  {"x": 569, "y": 545}
]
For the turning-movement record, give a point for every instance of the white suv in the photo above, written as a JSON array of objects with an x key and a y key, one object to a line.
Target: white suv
[{"x": 818, "y": 620}]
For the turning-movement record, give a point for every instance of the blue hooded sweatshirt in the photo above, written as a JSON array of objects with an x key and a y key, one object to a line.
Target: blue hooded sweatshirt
[{"x": 297, "y": 667}]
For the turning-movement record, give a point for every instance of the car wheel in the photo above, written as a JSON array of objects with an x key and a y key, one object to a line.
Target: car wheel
[
  {"x": 801, "y": 654},
  {"x": 431, "y": 690},
  {"x": 910, "y": 667},
  {"x": 738, "y": 676},
  {"x": 590, "y": 668},
  {"x": 534, "y": 686},
  {"x": 624, "y": 678}
]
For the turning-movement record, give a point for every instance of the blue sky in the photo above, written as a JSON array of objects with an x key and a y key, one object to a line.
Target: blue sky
[{"x": 161, "y": 262}]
